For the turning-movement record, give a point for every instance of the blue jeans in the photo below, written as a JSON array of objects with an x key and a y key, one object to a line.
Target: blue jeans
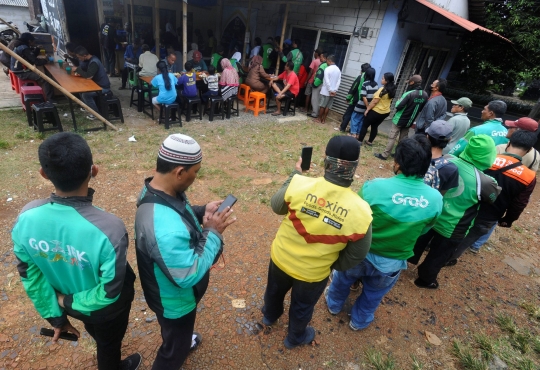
[
  {"x": 356, "y": 122},
  {"x": 347, "y": 117},
  {"x": 110, "y": 60},
  {"x": 88, "y": 99},
  {"x": 375, "y": 284},
  {"x": 208, "y": 94},
  {"x": 483, "y": 239}
]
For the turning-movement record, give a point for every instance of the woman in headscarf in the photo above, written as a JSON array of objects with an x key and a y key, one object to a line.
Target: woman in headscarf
[
  {"x": 228, "y": 82},
  {"x": 194, "y": 47},
  {"x": 257, "y": 78}
]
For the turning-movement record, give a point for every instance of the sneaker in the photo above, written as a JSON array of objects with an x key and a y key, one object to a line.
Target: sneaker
[
  {"x": 355, "y": 286},
  {"x": 380, "y": 156},
  {"x": 351, "y": 325},
  {"x": 131, "y": 362},
  {"x": 310, "y": 335},
  {"x": 474, "y": 250},
  {"x": 326, "y": 299},
  {"x": 91, "y": 117},
  {"x": 196, "y": 339},
  {"x": 422, "y": 284},
  {"x": 451, "y": 263},
  {"x": 267, "y": 322},
  {"x": 82, "y": 109}
]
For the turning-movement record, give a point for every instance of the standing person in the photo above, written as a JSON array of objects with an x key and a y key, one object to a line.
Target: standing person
[
  {"x": 274, "y": 55},
  {"x": 211, "y": 45},
  {"x": 72, "y": 255},
  {"x": 165, "y": 82},
  {"x": 378, "y": 109},
  {"x": 177, "y": 243},
  {"x": 353, "y": 96},
  {"x": 148, "y": 62},
  {"x": 257, "y": 78},
  {"x": 295, "y": 56},
  {"x": 267, "y": 50},
  {"x": 532, "y": 158},
  {"x": 330, "y": 86},
  {"x": 217, "y": 57},
  {"x": 257, "y": 48},
  {"x": 442, "y": 174},
  {"x": 435, "y": 107},
  {"x": 492, "y": 126},
  {"x": 194, "y": 47},
  {"x": 307, "y": 247},
  {"x": 459, "y": 123},
  {"x": 288, "y": 88},
  {"x": 403, "y": 209},
  {"x": 367, "y": 92},
  {"x": 407, "y": 108},
  {"x": 459, "y": 211},
  {"x": 91, "y": 68},
  {"x": 229, "y": 80},
  {"x": 317, "y": 85},
  {"x": 24, "y": 47},
  {"x": 313, "y": 67},
  {"x": 131, "y": 55},
  {"x": 108, "y": 45},
  {"x": 517, "y": 182}
]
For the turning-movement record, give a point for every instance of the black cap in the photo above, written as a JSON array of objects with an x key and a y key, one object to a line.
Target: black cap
[{"x": 343, "y": 147}]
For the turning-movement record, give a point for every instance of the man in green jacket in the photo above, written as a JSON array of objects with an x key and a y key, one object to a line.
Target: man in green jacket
[
  {"x": 72, "y": 255},
  {"x": 492, "y": 126},
  {"x": 267, "y": 49},
  {"x": 217, "y": 57},
  {"x": 317, "y": 85},
  {"x": 295, "y": 56},
  {"x": 353, "y": 96}
]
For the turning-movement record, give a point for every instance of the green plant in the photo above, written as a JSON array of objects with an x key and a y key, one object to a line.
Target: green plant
[
  {"x": 506, "y": 323},
  {"x": 377, "y": 361},
  {"x": 416, "y": 363},
  {"x": 4, "y": 144},
  {"x": 466, "y": 357}
]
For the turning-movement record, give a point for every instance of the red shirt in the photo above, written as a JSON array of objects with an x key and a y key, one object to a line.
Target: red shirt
[{"x": 291, "y": 79}]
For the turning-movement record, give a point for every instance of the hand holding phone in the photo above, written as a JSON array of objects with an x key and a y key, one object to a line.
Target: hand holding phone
[
  {"x": 221, "y": 218},
  {"x": 228, "y": 202},
  {"x": 307, "y": 152},
  {"x": 64, "y": 335}
]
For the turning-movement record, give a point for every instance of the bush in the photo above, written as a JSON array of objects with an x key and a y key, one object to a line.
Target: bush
[{"x": 521, "y": 108}]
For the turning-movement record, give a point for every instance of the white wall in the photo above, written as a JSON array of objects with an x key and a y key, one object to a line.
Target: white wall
[
  {"x": 16, "y": 14},
  {"x": 458, "y": 7}
]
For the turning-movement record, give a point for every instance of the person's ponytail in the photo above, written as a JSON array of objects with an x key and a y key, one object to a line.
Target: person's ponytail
[{"x": 162, "y": 68}]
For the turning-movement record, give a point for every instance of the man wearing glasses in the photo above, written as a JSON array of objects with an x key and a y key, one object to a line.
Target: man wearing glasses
[{"x": 459, "y": 123}]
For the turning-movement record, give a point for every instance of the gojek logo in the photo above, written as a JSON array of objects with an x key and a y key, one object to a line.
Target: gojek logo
[
  {"x": 398, "y": 198},
  {"x": 327, "y": 205}
]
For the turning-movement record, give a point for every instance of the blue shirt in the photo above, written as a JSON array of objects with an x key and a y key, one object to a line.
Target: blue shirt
[
  {"x": 385, "y": 264},
  {"x": 189, "y": 83},
  {"x": 132, "y": 54},
  {"x": 165, "y": 96},
  {"x": 201, "y": 66}
]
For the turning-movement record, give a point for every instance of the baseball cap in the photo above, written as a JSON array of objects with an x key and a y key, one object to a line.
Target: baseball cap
[
  {"x": 197, "y": 54},
  {"x": 439, "y": 130},
  {"x": 524, "y": 123},
  {"x": 288, "y": 42},
  {"x": 464, "y": 102}
]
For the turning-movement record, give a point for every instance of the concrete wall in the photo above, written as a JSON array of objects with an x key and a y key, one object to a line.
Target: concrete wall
[{"x": 15, "y": 14}]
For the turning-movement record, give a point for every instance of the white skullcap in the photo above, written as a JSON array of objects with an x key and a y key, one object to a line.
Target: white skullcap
[{"x": 180, "y": 149}]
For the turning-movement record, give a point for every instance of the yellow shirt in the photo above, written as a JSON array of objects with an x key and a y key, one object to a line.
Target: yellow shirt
[
  {"x": 383, "y": 106},
  {"x": 322, "y": 219}
]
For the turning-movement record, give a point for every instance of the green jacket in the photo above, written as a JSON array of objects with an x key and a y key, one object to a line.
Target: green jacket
[
  {"x": 216, "y": 61},
  {"x": 319, "y": 75},
  {"x": 355, "y": 90},
  {"x": 403, "y": 209},
  {"x": 296, "y": 56},
  {"x": 267, "y": 49},
  {"x": 493, "y": 128},
  {"x": 67, "y": 245}
]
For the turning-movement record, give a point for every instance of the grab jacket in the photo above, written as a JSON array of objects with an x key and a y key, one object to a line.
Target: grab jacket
[
  {"x": 408, "y": 107},
  {"x": 174, "y": 254},
  {"x": 67, "y": 245}
]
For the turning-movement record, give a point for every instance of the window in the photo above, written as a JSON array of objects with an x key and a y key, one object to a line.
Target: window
[{"x": 329, "y": 41}]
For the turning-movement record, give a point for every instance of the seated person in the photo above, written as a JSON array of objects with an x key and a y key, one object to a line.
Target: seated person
[
  {"x": 217, "y": 57},
  {"x": 289, "y": 88},
  {"x": 131, "y": 55},
  {"x": 147, "y": 62},
  {"x": 188, "y": 84},
  {"x": 257, "y": 78},
  {"x": 70, "y": 56},
  {"x": 198, "y": 63},
  {"x": 91, "y": 68},
  {"x": 165, "y": 82},
  {"x": 179, "y": 63},
  {"x": 229, "y": 80},
  {"x": 212, "y": 80},
  {"x": 170, "y": 61}
]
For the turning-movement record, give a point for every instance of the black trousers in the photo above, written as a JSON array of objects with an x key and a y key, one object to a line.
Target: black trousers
[
  {"x": 108, "y": 337},
  {"x": 479, "y": 229},
  {"x": 346, "y": 117},
  {"x": 304, "y": 296},
  {"x": 440, "y": 251},
  {"x": 373, "y": 120},
  {"x": 125, "y": 73},
  {"x": 176, "y": 334}
]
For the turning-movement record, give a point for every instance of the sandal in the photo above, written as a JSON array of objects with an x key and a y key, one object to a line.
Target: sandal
[
  {"x": 275, "y": 114},
  {"x": 368, "y": 143}
]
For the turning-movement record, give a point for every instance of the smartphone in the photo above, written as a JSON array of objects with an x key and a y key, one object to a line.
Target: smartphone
[
  {"x": 67, "y": 336},
  {"x": 307, "y": 151},
  {"x": 228, "y": 202}
]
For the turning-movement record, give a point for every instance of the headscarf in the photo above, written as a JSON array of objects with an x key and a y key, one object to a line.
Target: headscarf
[
  {"x": 342, "y": 153},
  {"x": 229, "y": 76},
  {"x": 480, "y": 152},
  {"x": 256, "y": 61}
]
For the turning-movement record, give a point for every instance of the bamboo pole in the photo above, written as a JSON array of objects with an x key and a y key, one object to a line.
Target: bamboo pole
[
  {"x": 55, "y": 84},
  {"x": 132, "y": 22},
  {"x": 184, "y": 31},
  {"x": 282, "y": 35},
  {"x": 10, "y": 26},
  {"x": 247, "y": 36}
]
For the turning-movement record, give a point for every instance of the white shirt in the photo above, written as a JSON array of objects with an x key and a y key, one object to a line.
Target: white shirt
[
  {"x": 237, "y": 56},
  {"x": 255, "y": 51},
  {"x": 331, "y": 81},
  {"x": 148, "y": 61}
]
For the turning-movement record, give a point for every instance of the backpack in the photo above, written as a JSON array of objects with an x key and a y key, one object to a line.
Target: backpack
[
  {"x": 5, "y": 58},
  {"x": 302, "y": 76},
  {"x": 431, "y": 178}
]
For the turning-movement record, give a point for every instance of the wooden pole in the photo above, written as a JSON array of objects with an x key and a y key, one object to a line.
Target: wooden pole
[
  {"x": 10, "y": 26},
  {"x": 158, "y": 49},
  {"x": 55, "y": 84},
  {"x": 247, "y": 36},
  {"x": 220, "y": 22},
  {"x": 282, "y": 36},
  {"x": 184, "y": 31},
  {"x": 132, "y": 22}
]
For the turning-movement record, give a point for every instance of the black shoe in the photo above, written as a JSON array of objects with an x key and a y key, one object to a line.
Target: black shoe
[
  {"x": 451, "y": 263},
  {"x": 422, "y": 284},
  {"x": 310, "y": 336},
  {"x": 380, "y": 156},
  {"x": 121, "y": 88},
  {"x": 131, "y": 362},
  {"x": 195, "y": 341}
]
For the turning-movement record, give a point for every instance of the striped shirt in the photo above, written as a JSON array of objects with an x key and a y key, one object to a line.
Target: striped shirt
[{"x": 367, "y": 92}]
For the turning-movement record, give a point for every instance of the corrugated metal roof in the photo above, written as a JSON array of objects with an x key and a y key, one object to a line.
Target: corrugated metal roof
[
  {"x": 465, "y": 23},
  {"x": 22, "y": 3}
]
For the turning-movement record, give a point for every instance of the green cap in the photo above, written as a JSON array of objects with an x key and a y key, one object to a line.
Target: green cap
[{"x": 480, "y": 152}]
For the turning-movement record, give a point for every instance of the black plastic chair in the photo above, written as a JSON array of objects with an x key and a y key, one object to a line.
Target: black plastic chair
[
  {"x": 190, "y": 102},
  {"x": 172, "y": 115},
  {"x": 114, "y": 108},
  {"x": 216, "y": 102},
  {"x": 229, "y": 106},
  {"x": 46, "y": 113},
  {"x": 286, "y": 103}
]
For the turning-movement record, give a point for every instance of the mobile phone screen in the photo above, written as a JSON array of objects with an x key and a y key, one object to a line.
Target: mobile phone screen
[
  {"x": 228, "y": 202},
  {"x": 307, "y": 151}
]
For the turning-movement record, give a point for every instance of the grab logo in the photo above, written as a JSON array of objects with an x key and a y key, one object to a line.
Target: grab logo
[{"x": 398, "y": 198}]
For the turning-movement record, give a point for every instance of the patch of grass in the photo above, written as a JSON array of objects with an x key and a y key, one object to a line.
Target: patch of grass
[
  {"x": 487, "y": 346},
  {"x": 4, "y": 144},
  {"x": 466, "y": 357},
  {"x": 377, "y": 362},
  {"x": 506, "y": 323},
  {"x": 416, "y": 363},
  {"x": 532, "y": 309},
  {"x": 522, "y": 341}
]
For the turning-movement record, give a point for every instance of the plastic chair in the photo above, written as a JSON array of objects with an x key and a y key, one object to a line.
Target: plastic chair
[
  {"x": 46, "y": 113},
  {"x": 34, "y": 90},
  {"x": 216, "y": 102},
  {"x": 243, "y": 94},
  {"x": 256, "y": 103},
  {"x": 170, "y": 116},
  {"x": 190, "y": 102},
  {"x": 14, "y": 83},
  {"x": 113, "y": 106},
  {"x": 286, "y": 103}
]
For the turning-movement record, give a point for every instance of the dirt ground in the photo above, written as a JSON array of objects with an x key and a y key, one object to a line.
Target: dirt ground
[{"x": 250, "y": 158}]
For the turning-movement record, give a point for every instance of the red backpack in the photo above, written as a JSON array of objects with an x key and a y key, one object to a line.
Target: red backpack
[{"x": 302, "y": 76}]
